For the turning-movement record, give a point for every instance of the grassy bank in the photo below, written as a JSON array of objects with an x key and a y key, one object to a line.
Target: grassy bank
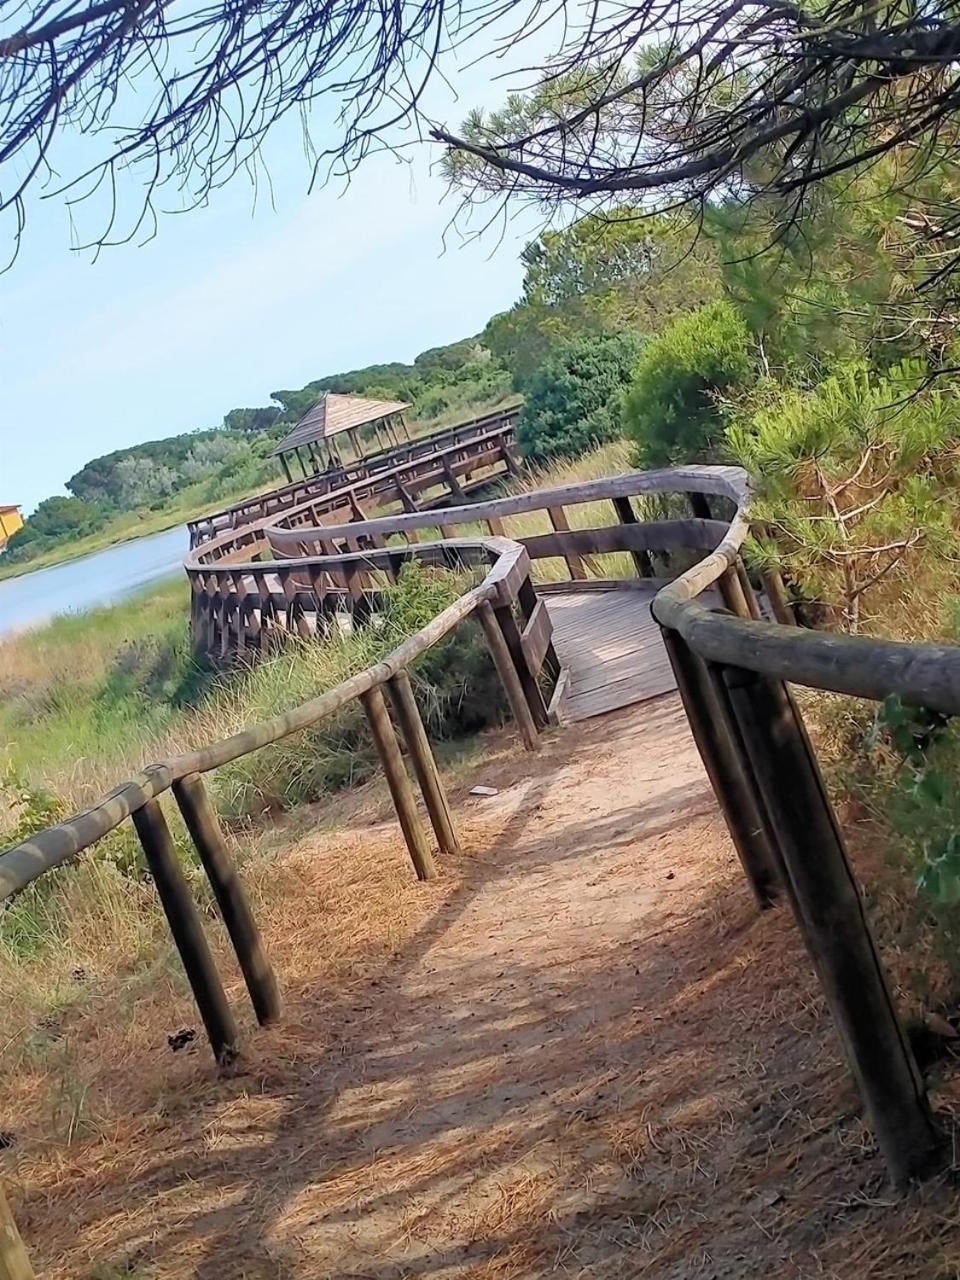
[{"x": 90, "y": 699}]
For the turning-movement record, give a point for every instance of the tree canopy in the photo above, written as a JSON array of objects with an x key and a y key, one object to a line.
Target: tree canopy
[
  {"x": 681, "y": 102},
  {"x": 573, "y": 403}
]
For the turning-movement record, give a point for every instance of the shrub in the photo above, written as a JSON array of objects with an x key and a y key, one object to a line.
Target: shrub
[
  {"x": 573, "y": 403},
  {"x": 857, "y": 478},
  {"x": 671, "y": 410}
]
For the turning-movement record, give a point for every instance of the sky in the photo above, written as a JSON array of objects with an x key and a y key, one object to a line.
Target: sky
[{"x": 233, "y": 301}]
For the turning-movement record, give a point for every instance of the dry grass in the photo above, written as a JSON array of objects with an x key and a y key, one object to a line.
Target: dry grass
[{"x": 88, "y": 1076}]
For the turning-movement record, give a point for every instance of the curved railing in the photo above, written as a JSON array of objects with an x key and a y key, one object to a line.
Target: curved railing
[
  {"x": 498, "y": 425},
  {"x": 731, "y": 668}
]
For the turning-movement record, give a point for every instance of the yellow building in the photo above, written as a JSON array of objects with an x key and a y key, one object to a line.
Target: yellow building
[{"x": 10, "y": 521}]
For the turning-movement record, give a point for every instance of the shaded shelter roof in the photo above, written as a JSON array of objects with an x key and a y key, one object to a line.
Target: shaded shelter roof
[
  {"x": 9, "y": 506},
  {"x": 335, "y": 413}
]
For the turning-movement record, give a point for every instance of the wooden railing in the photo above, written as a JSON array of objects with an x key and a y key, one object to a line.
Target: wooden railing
[
  {"x": 497, "y": 603},
  {"x": 264, "y": 506},
  {"x": 732, "y": 669}
]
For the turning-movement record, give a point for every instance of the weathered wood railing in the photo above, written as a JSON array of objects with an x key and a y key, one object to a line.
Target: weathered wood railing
[
  {"x": 732, "y": 669},
  {"x": 495, "y": 601},
  {"x": 498, "y": 423}
]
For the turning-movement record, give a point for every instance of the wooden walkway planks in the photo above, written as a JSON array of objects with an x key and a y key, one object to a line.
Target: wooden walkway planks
[{"x": 612, "y": 647}]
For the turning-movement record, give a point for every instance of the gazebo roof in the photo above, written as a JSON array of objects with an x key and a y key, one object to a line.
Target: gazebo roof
[{"x": 335, "y": 413}]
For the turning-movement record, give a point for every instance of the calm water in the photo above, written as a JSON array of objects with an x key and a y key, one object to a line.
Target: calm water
[{"x": 102, "y": 578}]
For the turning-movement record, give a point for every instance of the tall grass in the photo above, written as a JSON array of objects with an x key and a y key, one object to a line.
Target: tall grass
[{"x": 89, "y": 700}]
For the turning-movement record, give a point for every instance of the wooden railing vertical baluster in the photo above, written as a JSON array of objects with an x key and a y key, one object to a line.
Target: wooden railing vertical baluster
[
  {"x": 399, "y": 783},
  {"x": 188, "y": 935},
  {"x": 528, "y": 600},
  {"x": 201, "y": 822},
  {"x": 731, "y": 591},
  {"x": 726, "y": 768},
  {"x": 626, "y": 515},
  {"x": 240, "y": 595},
  {"x": 776, "y": 593},
  {"x": 528, "y": 680},
  {"x": 753, "y": 604},
  {"x": 560, "y": 523},
  {"x": 507, "y": 671},
  {"x": 835, "y": 924},
  {"x": 424, "y": 765},
  {"x": 453, "y": 484}
]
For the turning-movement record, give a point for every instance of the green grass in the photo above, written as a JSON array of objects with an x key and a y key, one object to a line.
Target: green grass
[{"x": 89, "y": 700}]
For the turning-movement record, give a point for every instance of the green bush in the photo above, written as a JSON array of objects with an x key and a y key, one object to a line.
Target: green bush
[
  {"x": 573, "y": 403},
  {"x": 671, "y": 408},
  {"x": 857, "y": 476}
]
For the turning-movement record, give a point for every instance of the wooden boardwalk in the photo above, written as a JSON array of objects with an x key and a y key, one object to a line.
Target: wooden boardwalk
[{"x": 611, "y": 646}]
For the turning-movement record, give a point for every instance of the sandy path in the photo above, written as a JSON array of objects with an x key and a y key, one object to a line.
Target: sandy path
[{"x": 593, "y": 1059}]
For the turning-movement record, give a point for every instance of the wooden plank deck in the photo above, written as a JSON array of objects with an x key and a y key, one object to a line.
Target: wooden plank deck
[{"x": 612, "y": 647}]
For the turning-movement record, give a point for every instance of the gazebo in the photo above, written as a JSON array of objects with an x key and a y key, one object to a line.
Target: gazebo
[{"x": 312, "y": 439}]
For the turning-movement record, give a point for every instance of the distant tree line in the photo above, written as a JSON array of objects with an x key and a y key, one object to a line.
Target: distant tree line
[{"x": 215, "y": 464}]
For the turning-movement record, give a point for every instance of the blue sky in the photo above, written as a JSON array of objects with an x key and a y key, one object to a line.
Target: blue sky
[{"x": 233, "y": 301}]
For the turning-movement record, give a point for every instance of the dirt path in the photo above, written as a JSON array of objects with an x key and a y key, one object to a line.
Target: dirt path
[{"x": 587, "y": 1056}]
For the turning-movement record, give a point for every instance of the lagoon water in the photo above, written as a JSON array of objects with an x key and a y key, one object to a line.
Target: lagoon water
[{"x": 102, "y": 578}]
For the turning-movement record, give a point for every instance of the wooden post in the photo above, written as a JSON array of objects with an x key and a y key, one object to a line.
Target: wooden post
[
  {"x": 749, "y": 594},
  {"x": 776, "y": 592},
  {"x": 405, "y": 496},
  {"x": 453, "y": 484},
  {"x": 529, "y": 680},
  {"x": 558, "y": 518},
  {"x": 528, "y": 601},
  {"x": 303, "y": 465},
  {"x": 509, "y": 460},
  {"x": 187, "y": 930},
  {"x": 424, "y": 766},
  {"x": 14, "y": 1263},
  {"x": 731, "y": 590},
  {"x": 835, "y": 924},
  {"x": 726, "y": 768},
  {"x": 286, "y": 468},
  {"x": 626, "y": 515},
  {"x": 201, "y": 822},
  {"x": 400, "y": 790},
  {"x": 507, "y": 672}
]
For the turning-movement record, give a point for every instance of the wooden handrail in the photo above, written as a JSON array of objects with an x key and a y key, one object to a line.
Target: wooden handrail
[
  {"x": 25, "y": 862},
  {"x": 296, "y": 492},
  {"x": 731, "y": 674}
]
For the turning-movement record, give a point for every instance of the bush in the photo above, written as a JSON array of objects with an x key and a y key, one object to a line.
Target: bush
[
  {"x": 857, "y": 477},
  {"x": 671, "y": 410},
  {"x": 573, "y": 403}
]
